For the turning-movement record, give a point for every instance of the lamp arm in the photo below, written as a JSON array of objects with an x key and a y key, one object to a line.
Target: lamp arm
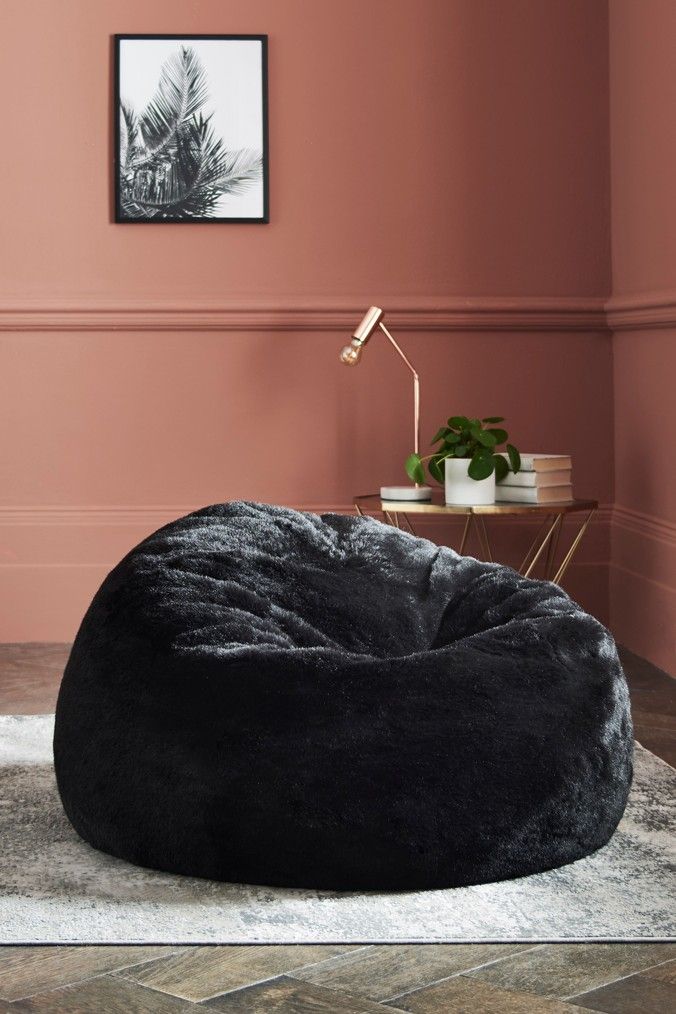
[{"x": 416, "y": 389}]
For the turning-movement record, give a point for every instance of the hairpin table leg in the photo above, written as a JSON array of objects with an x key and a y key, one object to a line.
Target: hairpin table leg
[
  {"x": 408, "y": 523},
  {"x": 571, "y": 552},
  {"x": 481, "y": 525},
  {"x": 552, "y": 548},
  {"x": 465, "y": 534},
  {"x": 534, "y": 543},
  {"x": 531, "y": 566},
  {"x": 481, "y": 534}
]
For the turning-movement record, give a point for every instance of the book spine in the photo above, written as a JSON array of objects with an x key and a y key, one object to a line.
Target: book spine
[
  {"x": 520, "y": 479},
  {"x": 533, "y": 494},
  {"x": 543, "y": 462}
]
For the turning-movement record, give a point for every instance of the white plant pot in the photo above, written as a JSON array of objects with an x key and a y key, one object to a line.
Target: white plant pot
[{"x": 461, "y": 491}]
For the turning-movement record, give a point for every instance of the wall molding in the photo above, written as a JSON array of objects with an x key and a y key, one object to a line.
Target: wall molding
[
  {"x": 107, "y": 516},
  {"x": 417, "y": 313},
  {"x": 619, "y": 568},
  {"x": 647, "y": 525},
  {"x": 641, "y": 311},
  {"x": 154, "y": 516},
  {"x": 479, "y": 313},
  {"x": 53, "y": 557}
]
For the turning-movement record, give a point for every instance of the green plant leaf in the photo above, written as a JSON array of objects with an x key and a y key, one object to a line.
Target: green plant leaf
[
  {"x": 494, "y": 418},
  {"x": 451, "y": 438},
  {"x": 501, "y": 467},
  {"x": 414, "y": 469},
  {"x": 436, "y": 467},
  {"x": 460, "y": 450},
  {"x": 514, "y": 457},
  {"x": 480, "y": 467},
  {"x": 486, "y": 438},
  {"x": 440, "y": 434},
  {"x": 500, "y": 435},
  {"x": 459, "y": 422}
]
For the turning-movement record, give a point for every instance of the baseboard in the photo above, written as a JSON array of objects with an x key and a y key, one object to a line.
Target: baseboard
[
  {"x": 643, "y": 615},
  {"x": 642, "y": 592}
]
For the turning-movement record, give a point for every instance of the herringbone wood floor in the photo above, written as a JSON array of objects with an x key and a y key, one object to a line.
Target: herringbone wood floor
[{"x": 424, "y": 979}]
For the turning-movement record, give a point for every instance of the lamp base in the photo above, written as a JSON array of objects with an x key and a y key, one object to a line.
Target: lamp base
[{"x": 405, "y": 493}]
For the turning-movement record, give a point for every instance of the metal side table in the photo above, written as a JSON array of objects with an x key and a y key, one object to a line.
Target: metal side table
[{"x": 545, "y": 544}]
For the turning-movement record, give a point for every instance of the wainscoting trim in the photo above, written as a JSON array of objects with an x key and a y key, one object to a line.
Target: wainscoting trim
[
  {"x": 53, "y": 558},
  {"x": 646, "y": 525},
  {"x": 485, "y": 313},
  {"x": 420, "y": 313},
  {"x": 153, "y": 517},
  {"x": 642, "y": 311},
  {"x": 642, "y": 596}
]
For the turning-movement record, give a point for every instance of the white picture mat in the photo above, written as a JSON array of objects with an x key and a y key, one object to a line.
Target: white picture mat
[{"x": 234, "y": 72}]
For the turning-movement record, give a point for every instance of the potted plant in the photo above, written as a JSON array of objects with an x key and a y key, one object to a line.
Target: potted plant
[{"x": 467, "y": 459}]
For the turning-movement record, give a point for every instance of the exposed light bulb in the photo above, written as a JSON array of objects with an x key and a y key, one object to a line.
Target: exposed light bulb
[{"x": 351, "y": 354}]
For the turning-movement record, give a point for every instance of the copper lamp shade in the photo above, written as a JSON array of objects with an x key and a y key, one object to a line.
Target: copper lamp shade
[{"x": 368, "y": 324}]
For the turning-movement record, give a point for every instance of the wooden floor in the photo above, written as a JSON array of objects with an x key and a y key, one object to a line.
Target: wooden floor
[{"x": 425, "y": 979}]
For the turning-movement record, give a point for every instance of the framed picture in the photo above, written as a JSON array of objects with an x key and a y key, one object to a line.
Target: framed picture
[{"x": 191, "y": 132}]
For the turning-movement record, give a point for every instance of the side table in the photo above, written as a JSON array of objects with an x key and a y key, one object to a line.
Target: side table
[{"x": 546, "y": 541}]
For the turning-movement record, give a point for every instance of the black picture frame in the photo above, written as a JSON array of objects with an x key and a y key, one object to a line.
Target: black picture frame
[{"x": 121, "y": 215}]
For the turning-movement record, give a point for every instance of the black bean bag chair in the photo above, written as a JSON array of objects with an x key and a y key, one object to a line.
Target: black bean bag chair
[{"x": 264, "y": 696}]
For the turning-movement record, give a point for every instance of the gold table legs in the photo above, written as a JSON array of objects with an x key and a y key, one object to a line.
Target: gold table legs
[{"x": 543, "y": 547}]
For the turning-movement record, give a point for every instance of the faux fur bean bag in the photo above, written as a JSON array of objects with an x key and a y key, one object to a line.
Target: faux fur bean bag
[{"x": 264, "y": 696}]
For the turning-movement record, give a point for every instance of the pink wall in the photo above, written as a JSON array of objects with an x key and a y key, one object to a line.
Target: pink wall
[
  {"x": 438, "y": 148},
  {"x": 448, "y": 159},
  {"x": 643, "y": 139},
  {"x": 643, "y": 307}
]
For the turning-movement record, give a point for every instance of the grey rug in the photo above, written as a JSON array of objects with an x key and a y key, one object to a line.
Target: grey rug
[{"x": 56, "y": 889}]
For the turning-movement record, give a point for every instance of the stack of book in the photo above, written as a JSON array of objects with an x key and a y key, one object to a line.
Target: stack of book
[{"x": 542, "y": 478}]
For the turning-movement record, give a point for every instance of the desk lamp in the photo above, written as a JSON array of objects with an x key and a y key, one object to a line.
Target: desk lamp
[{"x": 350, "y": 355}]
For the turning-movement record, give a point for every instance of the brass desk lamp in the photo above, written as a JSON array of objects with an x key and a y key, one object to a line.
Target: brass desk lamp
[{"x": 350, "y": 355}]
